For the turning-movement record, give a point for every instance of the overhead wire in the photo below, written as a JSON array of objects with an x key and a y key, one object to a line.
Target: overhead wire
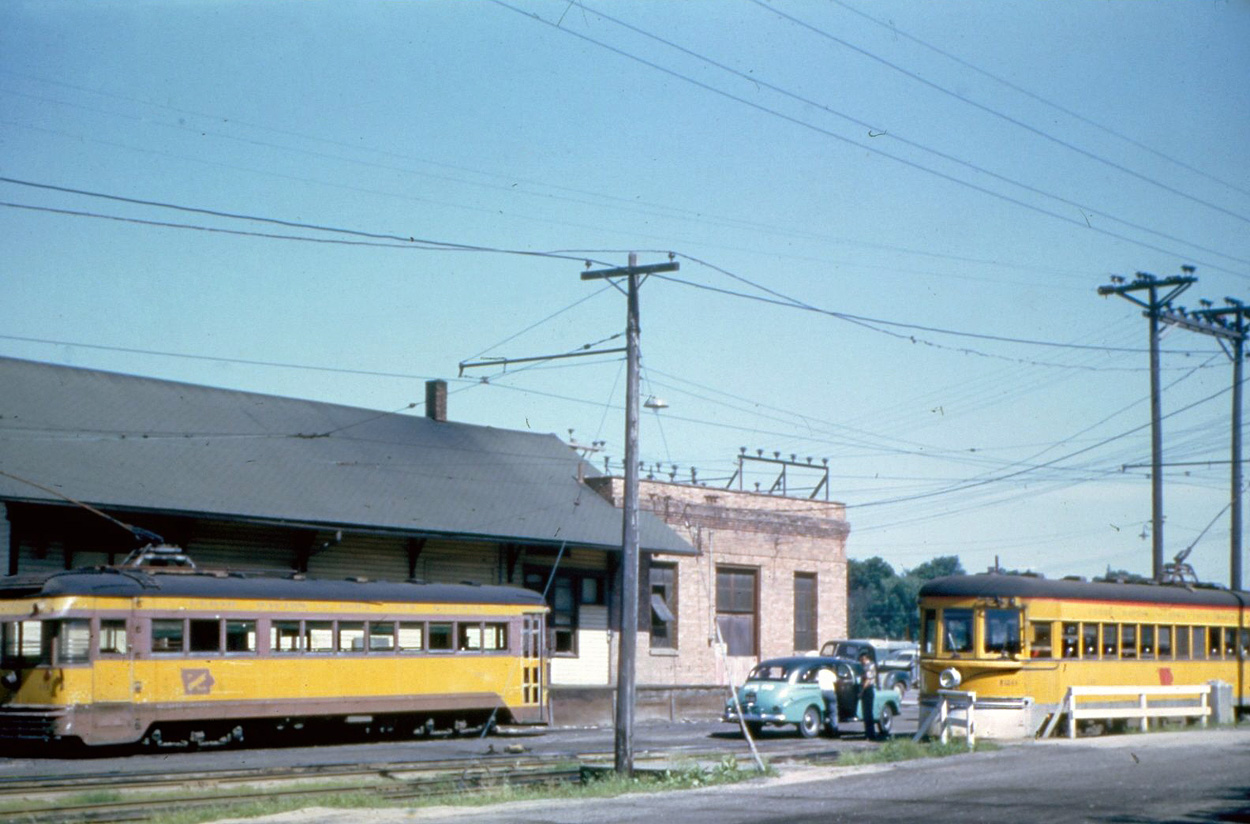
[{"x": 864, "y": 146}]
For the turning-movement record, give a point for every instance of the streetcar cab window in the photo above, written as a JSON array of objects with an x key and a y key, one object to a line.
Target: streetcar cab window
[
  {"x": 112, "y": 636},
  {"x": 66, "y": 642},
  {"x": 23, "y": 643},
  {"x": 1039, "y": 640},
  {"x": 1002, "y": 631},
  {"x": 929, "y": 620},
  {"x": 957, "y": 630}
]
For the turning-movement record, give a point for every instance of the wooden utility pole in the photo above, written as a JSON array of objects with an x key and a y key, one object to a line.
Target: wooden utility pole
[
  {"x": 1228, "y": 326},
  {"x": 628, "y": 618},
  {"x": 1153, "y": 307}
]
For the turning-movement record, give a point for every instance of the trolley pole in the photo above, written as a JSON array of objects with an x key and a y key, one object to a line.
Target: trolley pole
[
  {"x": 1228, "y": 326},
  {"x": 1153, "y": 307},
  {"x": 628, "y": 619}
]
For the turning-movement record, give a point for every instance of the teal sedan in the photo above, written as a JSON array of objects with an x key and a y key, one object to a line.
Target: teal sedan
[{"x": 784, "y": 691}]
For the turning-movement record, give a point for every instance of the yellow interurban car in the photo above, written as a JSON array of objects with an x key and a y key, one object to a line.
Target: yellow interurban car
[
  {"x": 1019, "y": 642},
  {"x": 174, "y": 656}
]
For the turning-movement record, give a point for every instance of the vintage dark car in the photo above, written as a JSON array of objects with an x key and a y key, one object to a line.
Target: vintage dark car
[{"x": 783, "y": 691}]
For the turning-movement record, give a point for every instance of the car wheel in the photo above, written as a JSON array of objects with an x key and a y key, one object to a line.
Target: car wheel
[
  {"x": 811, "y": 724},
  {"x": 885, "y": 720}
]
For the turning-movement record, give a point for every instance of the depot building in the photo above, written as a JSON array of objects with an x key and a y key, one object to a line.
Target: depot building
[{"x": 249, "y": 481}]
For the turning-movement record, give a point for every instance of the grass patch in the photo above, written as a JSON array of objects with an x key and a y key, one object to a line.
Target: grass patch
[
  {"x": 595, "y": 784},
  {"x": 907, "y": 750}
]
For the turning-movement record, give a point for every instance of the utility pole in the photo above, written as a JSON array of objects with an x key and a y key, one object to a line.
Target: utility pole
[
  {"x": 1228, "y": 327},
  {"x": 628, "y": 642},
  {"x": 1153, "y": 307}
]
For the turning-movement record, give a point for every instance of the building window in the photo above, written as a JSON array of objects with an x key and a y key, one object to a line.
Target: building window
[
  {"x": 566, "y": 592},
  {"x": 736, "y": 610},
  {"x": 805, "y": 612},
  {"x": 663, "y": 606}
]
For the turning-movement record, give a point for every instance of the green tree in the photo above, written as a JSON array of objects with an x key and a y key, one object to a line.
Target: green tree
[{"x": 881, "y": 603}]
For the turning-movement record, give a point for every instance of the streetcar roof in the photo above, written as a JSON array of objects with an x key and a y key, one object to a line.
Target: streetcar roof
[
  {"x": 992, "y": 585},
  {"x": 127, "y": 583}
]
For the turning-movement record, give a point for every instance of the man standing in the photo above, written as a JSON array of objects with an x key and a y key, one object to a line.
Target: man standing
[
  {"x": 868, "y": 695},
  {"x": 828, "y": 681}
]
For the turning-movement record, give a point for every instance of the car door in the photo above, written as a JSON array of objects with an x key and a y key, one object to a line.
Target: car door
[{"x": 848, "y": 691}]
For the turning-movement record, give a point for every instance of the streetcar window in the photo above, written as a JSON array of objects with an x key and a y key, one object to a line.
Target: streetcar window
[
  {"x": 1230, "y": 642},
  {"x": 23, "y": 643},
  {"x": 1199, "y": 646},
  {"x": 1213, "y": 642},
  {"x": 113, "y": 636},
  {"x": 441, "y": 637},
  {"x": 240, "y": 636},
  {"x": 1089, "y": 640},
  {"x": 957, "y": 624},
  {"x": 470, "y": 638},
  {"x": 495, "y": 637},
  {"x": 205, "y": 635},
  {"x": 1182, "y": 643},
  {"x": 75, "y": 642},
  {"x": 1147, "y": 641},
  {"x": 1071, "y": 640},
  {"x": 1002, "y": 631},
  {"x": 166, "y": 635},
  {"x": 381, "y": 635},
  {"x": 1039, "y": 641},
  {"x": 319, "y": 636},
  {"x": 1245, "y": 643},
  {"x": 1165, "y": 642},
  {"x": 1128, "y": 640},
  {"x": 284, "y": 636},
  {"x": 351, "y": 636},
  {"x": 1110, "y": 639},
  {"x": 929, "y": 618},
  {"x": 411, "y": 636}
]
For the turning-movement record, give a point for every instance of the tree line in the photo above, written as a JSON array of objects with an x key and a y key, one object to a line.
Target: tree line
[{"x": 882, "y": 603}]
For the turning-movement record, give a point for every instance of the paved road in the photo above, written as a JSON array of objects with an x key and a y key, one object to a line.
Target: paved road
[{"x": 1198, "y": 777}]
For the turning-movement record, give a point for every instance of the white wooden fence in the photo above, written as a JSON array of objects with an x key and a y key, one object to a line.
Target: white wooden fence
[
  {"x": 1189, "y": 701},
  {"x": 954, "y": 708}
]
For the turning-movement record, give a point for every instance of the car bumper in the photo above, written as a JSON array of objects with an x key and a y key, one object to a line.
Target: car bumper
[{"x": 753, "y": 715}]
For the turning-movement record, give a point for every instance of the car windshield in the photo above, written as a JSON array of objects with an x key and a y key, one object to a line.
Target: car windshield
[{"x": 771, "y": 672}]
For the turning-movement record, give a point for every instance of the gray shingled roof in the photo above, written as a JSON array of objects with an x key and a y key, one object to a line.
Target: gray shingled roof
[{"x": 140, "y": 444}]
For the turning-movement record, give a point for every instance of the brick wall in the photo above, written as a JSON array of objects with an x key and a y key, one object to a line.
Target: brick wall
[{"x": 771, "y": 535}]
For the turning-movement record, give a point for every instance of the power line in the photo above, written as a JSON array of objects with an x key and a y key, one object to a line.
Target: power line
[
  {"x": 895, "y": 30},
  {"x": 863, "y": 146},
  {"x": 988, "y": 110},
  {"x": 753, "y": 78}
]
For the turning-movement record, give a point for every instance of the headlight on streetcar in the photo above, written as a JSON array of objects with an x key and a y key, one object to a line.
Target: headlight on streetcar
[{"x": 950, "y": 678}]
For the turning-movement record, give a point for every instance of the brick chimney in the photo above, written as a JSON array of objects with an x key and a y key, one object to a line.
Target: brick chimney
[{"x": 436, "y": 400}]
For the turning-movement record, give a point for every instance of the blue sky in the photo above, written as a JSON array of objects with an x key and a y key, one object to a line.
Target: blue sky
[{"x": 962, "y": 175}]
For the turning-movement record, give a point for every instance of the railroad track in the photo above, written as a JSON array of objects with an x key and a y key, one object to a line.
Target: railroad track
[{"x": 139, "y": 796}]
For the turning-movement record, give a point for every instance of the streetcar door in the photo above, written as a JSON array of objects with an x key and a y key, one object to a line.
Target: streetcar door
[
  {"x": 113, "y": 671},
  {"x": 533, "y": 663}
]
